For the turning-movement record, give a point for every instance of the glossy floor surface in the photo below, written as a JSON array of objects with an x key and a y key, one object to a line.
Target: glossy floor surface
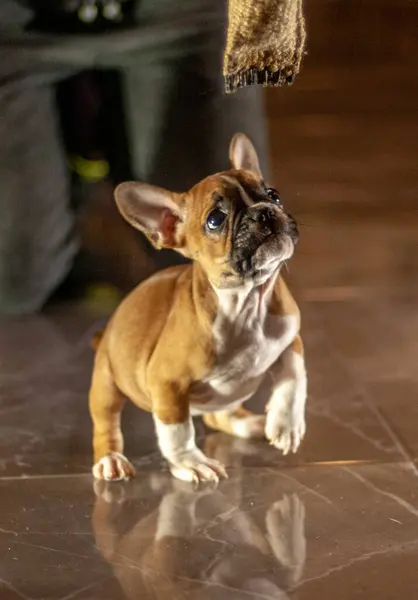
[{"x": 338, "y": 520}]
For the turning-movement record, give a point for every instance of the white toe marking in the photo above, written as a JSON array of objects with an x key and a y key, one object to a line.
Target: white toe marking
[
  {"x": 187, "y": 462},
  {"x": 113, "y": 467},
  {"x": 196, "y": 467}
]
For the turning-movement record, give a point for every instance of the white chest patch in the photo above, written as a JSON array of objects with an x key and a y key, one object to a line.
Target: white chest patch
[{"x": 248, "y": 341}]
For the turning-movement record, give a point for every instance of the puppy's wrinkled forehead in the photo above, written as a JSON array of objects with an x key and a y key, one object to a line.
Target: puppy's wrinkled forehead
[{"x": 240, "y": 188}]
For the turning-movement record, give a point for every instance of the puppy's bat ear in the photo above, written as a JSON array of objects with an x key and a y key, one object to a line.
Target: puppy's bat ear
[
  {"x": 154, "y": 211},
  {"x": 243, "y": 155}
]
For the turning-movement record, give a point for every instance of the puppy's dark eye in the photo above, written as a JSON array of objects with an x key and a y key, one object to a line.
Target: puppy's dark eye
[
  {"x": 216, "y": 219},
  {"x": 274, "y": 196}
]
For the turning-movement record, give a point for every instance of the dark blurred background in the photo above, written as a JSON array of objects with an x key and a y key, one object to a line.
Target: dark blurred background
[
  {"x": 89, "y": 100},
  {"x": 344, "y": 148}
]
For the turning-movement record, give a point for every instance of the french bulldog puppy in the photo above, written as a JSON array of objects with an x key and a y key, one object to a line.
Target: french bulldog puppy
[{"x": 199, "y": 339}]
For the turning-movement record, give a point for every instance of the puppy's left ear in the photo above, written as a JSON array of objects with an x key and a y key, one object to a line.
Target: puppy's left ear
[
  {"x": 243, "y": 155},
  {"x": 154, "y": 211}
]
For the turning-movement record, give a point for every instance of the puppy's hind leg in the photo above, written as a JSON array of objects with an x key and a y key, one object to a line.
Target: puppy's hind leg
[
  {"x": 106, "y": 404},
  {"x": 239, "y": 422}
]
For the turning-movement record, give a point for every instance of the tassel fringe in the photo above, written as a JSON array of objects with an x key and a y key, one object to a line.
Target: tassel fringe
[{"x": 263, "y": 77}]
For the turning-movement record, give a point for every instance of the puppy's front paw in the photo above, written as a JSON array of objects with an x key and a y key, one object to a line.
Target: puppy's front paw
[
  {"x": 285, "y": 432},
  {"x": 113, "y": 467},
  {"x": 195, "y": 467}
]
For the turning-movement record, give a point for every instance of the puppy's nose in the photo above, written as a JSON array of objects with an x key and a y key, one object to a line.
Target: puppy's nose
[
  {"x": 267, "y": 214},
  {"x": 269, "y": 218}
]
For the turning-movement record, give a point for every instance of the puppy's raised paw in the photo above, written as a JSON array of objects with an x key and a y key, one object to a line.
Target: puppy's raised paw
[
  {"x": 195, "y": 467},
  {"x": 284, "y": 432},
  {"x": 113, "y": 467}
]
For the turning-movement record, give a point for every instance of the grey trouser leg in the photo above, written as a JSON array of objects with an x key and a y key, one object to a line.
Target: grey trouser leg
[
  {"x": 37, "y": 242},
  {"x": 178, "y": 117},
  {"x": 180, "y": 120}
]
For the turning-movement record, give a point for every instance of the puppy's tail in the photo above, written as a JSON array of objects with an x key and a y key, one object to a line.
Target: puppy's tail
[{"x": 95, "y": 340}]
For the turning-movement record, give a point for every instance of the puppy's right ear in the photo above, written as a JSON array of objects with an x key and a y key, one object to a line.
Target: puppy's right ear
[
  {"x": 154, "y": 211},
  {"x": 243, "y": 155}
]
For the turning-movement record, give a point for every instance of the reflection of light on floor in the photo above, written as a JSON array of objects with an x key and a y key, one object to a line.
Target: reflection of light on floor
[{"x": 342, "y": 463}]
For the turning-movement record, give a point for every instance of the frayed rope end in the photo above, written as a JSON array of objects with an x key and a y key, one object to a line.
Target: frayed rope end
[{"x": 258, "y": 77}]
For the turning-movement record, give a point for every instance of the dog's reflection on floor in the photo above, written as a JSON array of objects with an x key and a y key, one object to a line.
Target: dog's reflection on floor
[{"x": 163, "y": 539}]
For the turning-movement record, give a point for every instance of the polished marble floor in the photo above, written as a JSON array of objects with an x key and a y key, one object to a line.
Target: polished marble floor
[
  {"x": 340, "y": 517},
  {"x": 338, "y": 520}
]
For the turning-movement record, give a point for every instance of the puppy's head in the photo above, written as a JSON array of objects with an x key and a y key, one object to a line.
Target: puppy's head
[{"x": 232, "y": 223}]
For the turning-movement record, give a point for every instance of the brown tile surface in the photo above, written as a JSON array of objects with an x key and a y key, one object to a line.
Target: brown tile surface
[
  {"x": 340, "y": 519},
  {"x": 337, "y": 518},
  {"x": 310, "y": 532}
]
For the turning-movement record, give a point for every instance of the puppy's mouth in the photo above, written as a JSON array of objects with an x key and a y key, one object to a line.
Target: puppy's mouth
[
  {"x": 262, "y": 241},
  {"x": 271, "y": 252}
]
